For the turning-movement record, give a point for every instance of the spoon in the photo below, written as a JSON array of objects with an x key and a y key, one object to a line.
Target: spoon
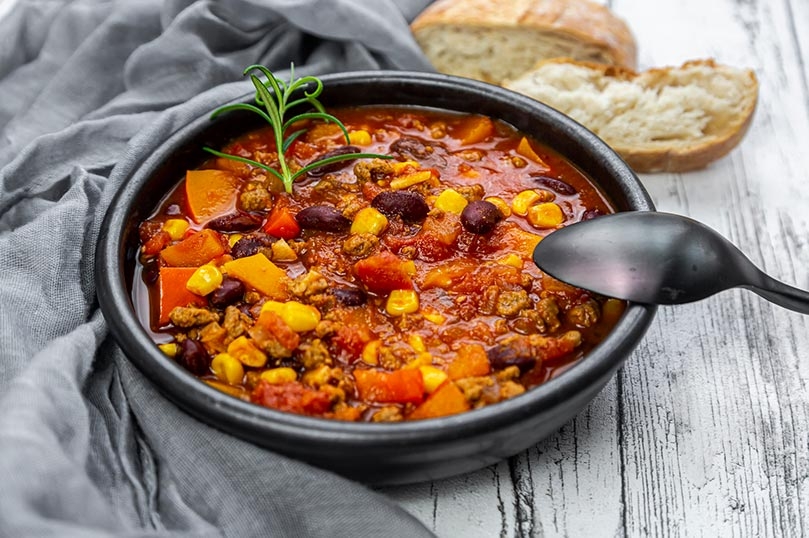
[{"x": 657, "y": 258}]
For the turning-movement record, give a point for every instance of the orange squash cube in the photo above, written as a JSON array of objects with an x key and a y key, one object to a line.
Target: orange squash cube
[
  {"x": 260, "y": 274},
  {"x": 210, "y": 193},
  {"x": 195, "y": 250}
]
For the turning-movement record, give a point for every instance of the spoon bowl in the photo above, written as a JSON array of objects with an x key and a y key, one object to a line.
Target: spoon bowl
[{"x": 656, "y": 258}]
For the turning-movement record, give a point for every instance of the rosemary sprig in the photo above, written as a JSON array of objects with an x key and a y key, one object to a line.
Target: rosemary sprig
[{"x": 274, "y": 95}]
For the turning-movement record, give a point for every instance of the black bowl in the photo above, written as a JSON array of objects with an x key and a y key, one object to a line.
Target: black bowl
[{"x": 374, "y": 453}]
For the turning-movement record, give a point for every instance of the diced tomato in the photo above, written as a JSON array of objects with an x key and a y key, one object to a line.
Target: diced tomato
[
  {"x": 401, "y": 386},
  {"x": 352, "y": 339},
  {"x": 156, "y": 243},
  {"x": 382, "y": 273},
  {"x": 281, "y": 223},
  {"x": 291, "y": 397}
]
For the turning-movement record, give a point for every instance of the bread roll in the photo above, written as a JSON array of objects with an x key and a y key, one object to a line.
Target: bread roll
[
  {"x": 494, "y": 40},
  {"x": 661, "y": 120}
]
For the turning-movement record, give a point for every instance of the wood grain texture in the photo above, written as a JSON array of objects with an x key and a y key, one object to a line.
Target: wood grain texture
[{"x": 705, "y": 431}]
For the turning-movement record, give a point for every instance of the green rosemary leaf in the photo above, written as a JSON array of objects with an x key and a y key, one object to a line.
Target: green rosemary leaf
[
  {"x": 245, "y": 160},
  {"x": 291, "y": 138}
]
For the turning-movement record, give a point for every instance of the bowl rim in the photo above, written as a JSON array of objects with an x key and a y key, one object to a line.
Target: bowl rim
[{"x": 216, "y": 407}]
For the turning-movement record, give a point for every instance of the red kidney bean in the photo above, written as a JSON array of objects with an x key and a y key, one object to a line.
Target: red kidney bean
[
  {"x": 410, "y": 206},
  {"x": 322, "y": 217},
  {"x": 251, "y": 244},
  {"x": 504, "y": 355},
  {"x": 480, "y": 217},
  {"x": 227, "y": 293},
  {"x": 235, "y": 222},
  {"x": 333, "y": 167},
  {"x": 151, "y": 271},
  {"x": 350, "y": 296},
  {"x": 410, "y": 148},
  {"x": 554, "y": 184},
  {"x": 193, "y": 356}
]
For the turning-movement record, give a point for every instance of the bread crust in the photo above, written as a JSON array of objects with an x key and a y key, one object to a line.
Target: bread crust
[
  {"x": 589, "y": 23},
  {"x": 677, "y": 156}
]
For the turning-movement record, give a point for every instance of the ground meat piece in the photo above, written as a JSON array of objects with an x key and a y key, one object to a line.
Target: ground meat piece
[
  {"x": 274, "y": 336},
  {"x": 488, "y": 301},
  {"x": 350, "y": 204},
  {"x": 236, "y": 323},
  {"x": 323, "y": 301},
  {"x": 186, "y": 317},
  {"x": 252, "y": 297},
  {"x": 584, "y": 315},
  {"x": 549, "y": 313},
  {"x": 509, "y": 389},
  {"x": 360, "y": 245},
  {"x": 214, "y": 337},
  {"x": 438, "y": 129},
  {"x": 471, "y": 155},
  {"x": 388, "y": 414},
  {"x": 374, "y": 170},
  {"x": 509, "y": 373},
  {"x": 326, "y": 328},
  {"x": 255, "y": 197},
  {"x": 472, "y": 193},
  {"x": 309, "y": 283},
  {"x": 314, "y": 354},
  {"x": 509, "y": 303},
  {"x": 266, "y": 157},
  {"x": 388, "y": 359},
  {"x": 473, "y": 387},
  {"x": 336, "y": 394}
]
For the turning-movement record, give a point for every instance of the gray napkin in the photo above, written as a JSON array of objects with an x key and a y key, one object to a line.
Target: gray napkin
[{"x": 87, "y": 89}]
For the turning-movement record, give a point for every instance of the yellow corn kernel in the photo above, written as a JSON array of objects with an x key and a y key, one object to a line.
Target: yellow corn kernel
[
  {"x": 523, "y": 201},
  {"x": 233, "y": 239},
  {"x": 451, "y": 201},
  {"x": 171, "y": 349},
  {"x": 236, "y": 392},
  {"x": 370, "y": 353},
  {"x": 227, "y": 369},
  {"x": 612, "y": 310},
  {"x": 204, "y": 280},
  {"x": 369, "y": 221},
  {"x": 398, "y": 168},
  {"x": 547, "y": 215},
  {"x": 416, "y": 342},
  {"x": 276, "y": 376},
  {"x": 317, "y": 377},
  {"x": 500, "y": 204},
  {"x": 300, "y": 317},
  {"x": 402, "y": 302},
  {"x": 422, "y": 359},
  {"x": 282, "y": 252},
  {"x": 244, "y": 351},
  {"x": 176, "y": 228},
  {"x": 409, "y": 267},
  {"x": 512, "y": 260},
  {"x": 408, "y": 180},
  {"x": 433, "y": 377},
  {"x": 434, "y": 317},
  {"x": 360, "y": 138}
]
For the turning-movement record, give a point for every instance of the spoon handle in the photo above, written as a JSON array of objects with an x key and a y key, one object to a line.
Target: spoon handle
[{"x": 781, "y": 294}]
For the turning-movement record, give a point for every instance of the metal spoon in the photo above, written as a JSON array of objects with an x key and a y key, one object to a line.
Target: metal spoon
[{"x": 658, "y": 258}]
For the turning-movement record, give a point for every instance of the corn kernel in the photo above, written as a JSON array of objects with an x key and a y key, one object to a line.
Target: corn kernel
[
  {"x": 398, "y": 168},
  {"x": 416, "y": 342},
  {"x": 276, "y": 376},
  {"x": 433, "y": 377},
  {"x": 227, "y": 369},
  {"x": 370, "y": 353},
  {"x": 244, "y": 351},
  {"x": 523, "y": 201},
  {"x": 434, "y": 317},
  {"x": 402, "y": 302},
  {"x": 451, "y": 201},
  {"x": 176, "y": 228},
  {"x": 360, "y": 138},
  {"x": 236, "y": 392},
  {"x": 233, "y": 239},
  {"x": 204, "y": 280},
  {"x": 282, "y": 252},
  {"x": 317, "y": 377},
  {"x": 547, "y": 215},
  {"x": 500, "y": 204},
  {"x": 408, "y": 180},
  {"x": 370, "y": 221},
  {"x": 612, "y": 310},
  {"x": 512, "y": 260},
  {"x": 171, "y": 349},
  {"x": 300, "y": 317}
]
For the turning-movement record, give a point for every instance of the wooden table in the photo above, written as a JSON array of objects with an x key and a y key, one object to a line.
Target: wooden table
[{"x": 705, "y": 431}]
